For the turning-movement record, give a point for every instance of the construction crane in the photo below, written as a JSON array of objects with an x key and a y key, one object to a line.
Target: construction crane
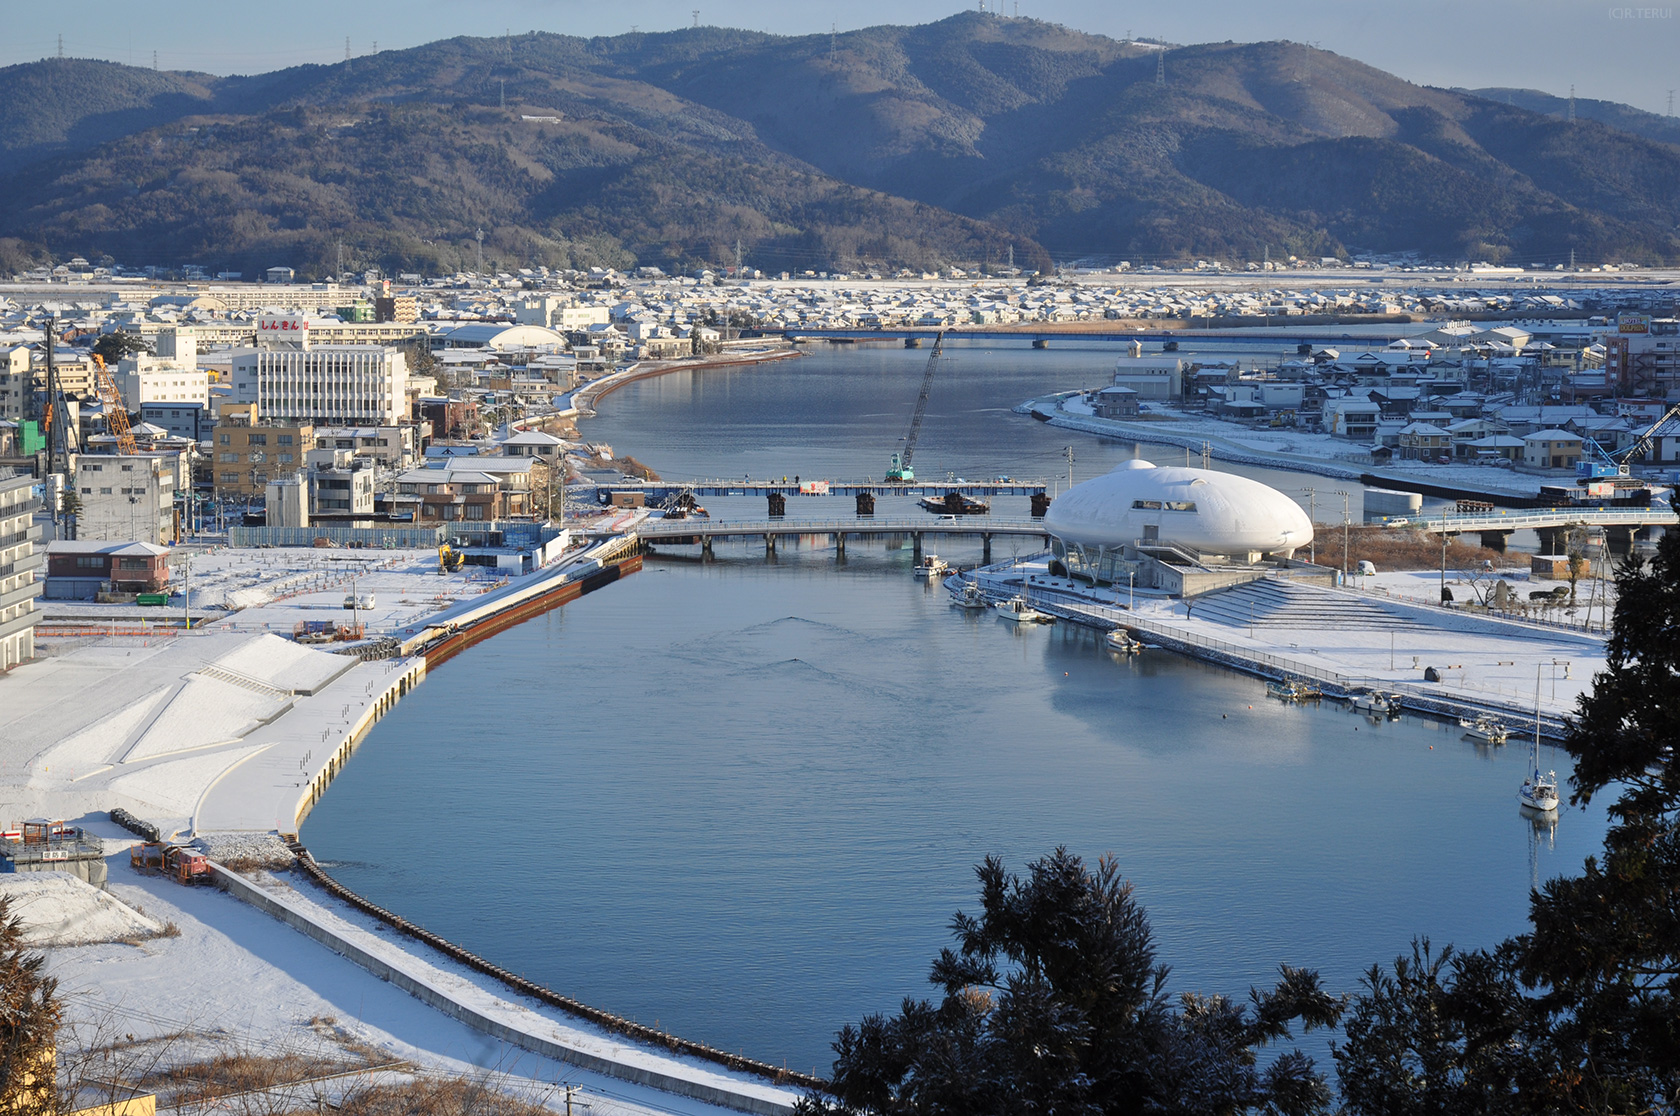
[
  {"x": 116, "y": 411},
  {"x": 1598, "y": 463},
  {"x": 900, "y": 470}
]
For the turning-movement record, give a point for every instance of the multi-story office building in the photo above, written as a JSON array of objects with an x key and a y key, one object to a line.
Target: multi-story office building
[
  {"x": 19, "y": 559},
  {"x": 1642, "y": 356},
  {"x": 293, "y": 380},
  {"x": 246, "y": 454}
]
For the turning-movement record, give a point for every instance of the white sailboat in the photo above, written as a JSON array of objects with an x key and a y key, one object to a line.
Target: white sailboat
[{"x": 1539, "y": 792}]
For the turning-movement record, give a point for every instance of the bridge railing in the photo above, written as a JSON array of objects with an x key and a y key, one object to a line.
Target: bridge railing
[
  {"x": 963, "y": 525},
  {"x": 1483, "y": 521}
]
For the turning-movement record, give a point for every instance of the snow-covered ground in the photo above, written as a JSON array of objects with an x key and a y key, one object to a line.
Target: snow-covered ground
[
  {"x": 238, "y": 972},
  {"x": 58, "y": 909},
  {"x": 1287, "y": 449},
  {"x": 1366, "y": 639}
]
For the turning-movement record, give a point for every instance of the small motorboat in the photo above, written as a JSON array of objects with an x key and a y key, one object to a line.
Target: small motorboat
[
  {"x": 1485, "y": 728},
  {"x": 1372, "y": 703},
  {"x": 1120, "y": 641},
  {"x": 969, "y": 597},
  {"x": 1017, "y": 609},
  {"x": 1294, "y": 690},
  {"x": 931, "y": 566}
]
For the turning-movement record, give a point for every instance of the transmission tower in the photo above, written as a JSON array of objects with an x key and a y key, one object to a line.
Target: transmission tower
[
  {"x": 1161, "y": 66},
  {"x": 1572, "y": 104}
]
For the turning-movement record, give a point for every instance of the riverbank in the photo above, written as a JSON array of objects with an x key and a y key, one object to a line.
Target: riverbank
[
  {"x": 583, "y": 400},
  {"x": 1319, "y": 454},
  {"x": 223, "y": 731}
]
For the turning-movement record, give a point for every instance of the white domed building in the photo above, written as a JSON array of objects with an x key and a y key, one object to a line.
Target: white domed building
[{"x": 1200, "y": 510}]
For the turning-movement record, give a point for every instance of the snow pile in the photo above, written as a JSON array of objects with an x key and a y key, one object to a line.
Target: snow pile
[
  {"x": 245, "y": 850},
  {"x": 59, "y": 909}
]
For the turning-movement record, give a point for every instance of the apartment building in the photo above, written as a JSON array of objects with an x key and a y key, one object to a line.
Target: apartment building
[
  {"x": 129, "y": 497},
  {"x": 248, "y": 453},
  {"x": 19, "y": 559}
]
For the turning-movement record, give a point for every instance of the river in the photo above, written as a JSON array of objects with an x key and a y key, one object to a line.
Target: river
[{"x": 742, "y": 799}]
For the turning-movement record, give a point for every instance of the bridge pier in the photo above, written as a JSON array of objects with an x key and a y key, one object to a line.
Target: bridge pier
[
  {"x": 986, "y": 548},
  {"x": 865, "y": 503},
  {"x": 769, "y": 545},
  {"x": 839, "y": 546},
  {"x": 912, "y": 342},
  {"x": 1041, "y": 342},
  {"x": 778, "y": 504},
  {"x": 1551, "y": 539},
  {"x": 916, "y": 546},
  {"x": 1495, "y": 540},
  {"x": 1619, "y": 540},
  {"x": 705, "y": 548}
]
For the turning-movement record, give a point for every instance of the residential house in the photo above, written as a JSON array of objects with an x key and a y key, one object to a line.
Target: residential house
[
  {"x": 1422, "y": 441},
  {"x": 1551, "y": 449}
]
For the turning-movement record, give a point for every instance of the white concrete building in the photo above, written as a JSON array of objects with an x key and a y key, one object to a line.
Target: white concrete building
[
  {"x": 144, "y": 379},
  {"x": 19, "y": 560},
  {"x": 126, "y": 497},
  {"x": 344, "y": 385},
  {"x": 340, "y": 483}
]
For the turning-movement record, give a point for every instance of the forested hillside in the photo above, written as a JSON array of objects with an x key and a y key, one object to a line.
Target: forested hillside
[{"x": 961, "y": 141}]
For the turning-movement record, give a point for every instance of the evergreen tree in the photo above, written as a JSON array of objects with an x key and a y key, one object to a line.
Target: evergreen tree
[
  {"x": 1054, "y": 1002},
  {"x": 1581, "y": 1014},
  {"x": 29, "y": 1017},
  {"x": 112, "y": 347}
]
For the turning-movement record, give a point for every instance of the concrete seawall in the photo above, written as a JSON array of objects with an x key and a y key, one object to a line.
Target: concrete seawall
[{"x": 505, "y": 1020}]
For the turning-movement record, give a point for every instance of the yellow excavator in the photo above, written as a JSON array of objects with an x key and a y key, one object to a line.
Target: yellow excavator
[{"x": 449, "y": 560}]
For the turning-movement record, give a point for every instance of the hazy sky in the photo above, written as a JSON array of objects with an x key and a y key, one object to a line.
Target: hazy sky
[{"x": 1613, "y": 51}]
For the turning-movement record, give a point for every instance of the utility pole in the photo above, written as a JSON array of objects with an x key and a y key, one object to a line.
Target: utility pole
[
  {"x": 480, "y": 235},
  {"x": 1312, "y": 522},
  {"x": 1443, "y": 560},
  {"x": 53, "y": 421},
  {"x": 1345, "y": 520}
]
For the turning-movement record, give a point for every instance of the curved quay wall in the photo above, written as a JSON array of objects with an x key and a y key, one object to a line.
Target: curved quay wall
[{"x": 438, "y": 647}]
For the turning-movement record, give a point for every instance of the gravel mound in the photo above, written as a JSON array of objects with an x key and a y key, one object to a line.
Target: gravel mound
[{"x": 245, "y": 850}]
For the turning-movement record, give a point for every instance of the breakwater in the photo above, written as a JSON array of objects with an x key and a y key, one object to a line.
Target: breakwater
[{"x": 617, "y": 1024}]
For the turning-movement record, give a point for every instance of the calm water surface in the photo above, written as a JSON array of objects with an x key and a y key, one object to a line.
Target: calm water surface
[{"x": 743, "y": 799}]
